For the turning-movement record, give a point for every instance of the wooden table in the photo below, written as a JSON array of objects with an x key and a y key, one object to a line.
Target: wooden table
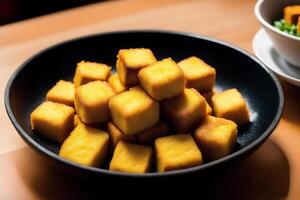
[{"x": 272, "y": 172}]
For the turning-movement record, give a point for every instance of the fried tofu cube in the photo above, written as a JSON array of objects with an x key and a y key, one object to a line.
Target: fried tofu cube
[
  {"x": 63, "y": 92},
  {"x": 91, "y": 102},
  {"x": 116, "y": 84},
  {"x": 134, "y": 111},
  {"x": 86, "y": 146},
  {"x": 198, "y": 74},
  {"x": 162, "y": 80},
  {"x": 77, "y": 120},
  {"x": 148, "y": 136},
  {"x": 231, "y": 105},
  {"x": 90, "y": 71},
  {"x": 131, "y": 158},
  {"x": 52, "y": 120},
  {"x": 176, "y": 152},
  {"x": 291, "y": 14},
  {"x": 208, "y": 108},
  {"x": 116, "y": 135},
  {"x": 216, "y": 137},
  {"x": 129, "y": 63},
  {"x": 184, "y": 112}
]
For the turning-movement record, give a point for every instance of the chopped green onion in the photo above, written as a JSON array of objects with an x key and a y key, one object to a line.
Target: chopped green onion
[{"x": 287, "y": 28}]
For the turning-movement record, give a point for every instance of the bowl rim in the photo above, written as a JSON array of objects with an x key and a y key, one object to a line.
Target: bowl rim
[
  {"x": 268, "y": 25},
  {"x": 36, "y": 146}
]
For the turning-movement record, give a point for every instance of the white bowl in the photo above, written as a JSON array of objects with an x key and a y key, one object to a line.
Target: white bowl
[{"x": 287, "y": 46}]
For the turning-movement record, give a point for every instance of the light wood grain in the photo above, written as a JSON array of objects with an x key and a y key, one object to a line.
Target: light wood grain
[{"x": 273, "y": 172}]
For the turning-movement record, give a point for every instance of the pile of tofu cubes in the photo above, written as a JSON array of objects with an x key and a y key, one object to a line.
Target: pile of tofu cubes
[{"x": 149, "y": 116}]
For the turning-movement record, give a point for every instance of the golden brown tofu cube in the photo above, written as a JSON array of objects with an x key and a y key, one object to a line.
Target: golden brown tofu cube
[
  {"x": 63, "y": 92},
  {"x": 184, "y": 112},
  {"x": 291, "y": 14},
  {"x": 134, "y": 111},
  {"x": 77, "y": 120},
  {"x": 148, "y": 136},
  {"x": 176, "y": 152},
  {"x": 198, "y": 74},
  {"x": 208, "y": 109},
  {"x": 216, "y": 137},
  {"x": 116, "y": 135},
  {"x": 231, "y": 105},
  {"x": 91, "y": 102},
  {"x": 116, "y": 84},
  {"x": 162, "y": 80},
  {"x": 131, "y": 158},
  {"x": 90, "y": 71},
  {"x": 129, "y": 63},
  {"x": 86, "y": 146},
  {"x": 54, "y": 121}
]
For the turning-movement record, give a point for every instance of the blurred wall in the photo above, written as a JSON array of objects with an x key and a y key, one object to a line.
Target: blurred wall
[{"x": 16, "y": 10}]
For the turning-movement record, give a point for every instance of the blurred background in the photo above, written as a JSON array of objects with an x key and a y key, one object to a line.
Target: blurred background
[{"x": 16, "y": 10}]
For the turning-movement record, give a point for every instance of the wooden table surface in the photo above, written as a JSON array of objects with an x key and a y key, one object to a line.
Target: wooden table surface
[{"x": 272, "y": 172}]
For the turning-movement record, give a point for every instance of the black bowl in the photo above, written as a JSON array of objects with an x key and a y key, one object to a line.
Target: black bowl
[{"x": 235, "y": 68}]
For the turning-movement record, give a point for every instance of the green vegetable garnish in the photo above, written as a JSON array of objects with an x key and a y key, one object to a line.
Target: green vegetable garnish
[{"x": 287, "y": 28}]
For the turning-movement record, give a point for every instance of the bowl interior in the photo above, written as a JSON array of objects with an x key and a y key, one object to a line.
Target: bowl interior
[
  {"x": 271, "y": 10},
  {"x": 235, "y": 69}
]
